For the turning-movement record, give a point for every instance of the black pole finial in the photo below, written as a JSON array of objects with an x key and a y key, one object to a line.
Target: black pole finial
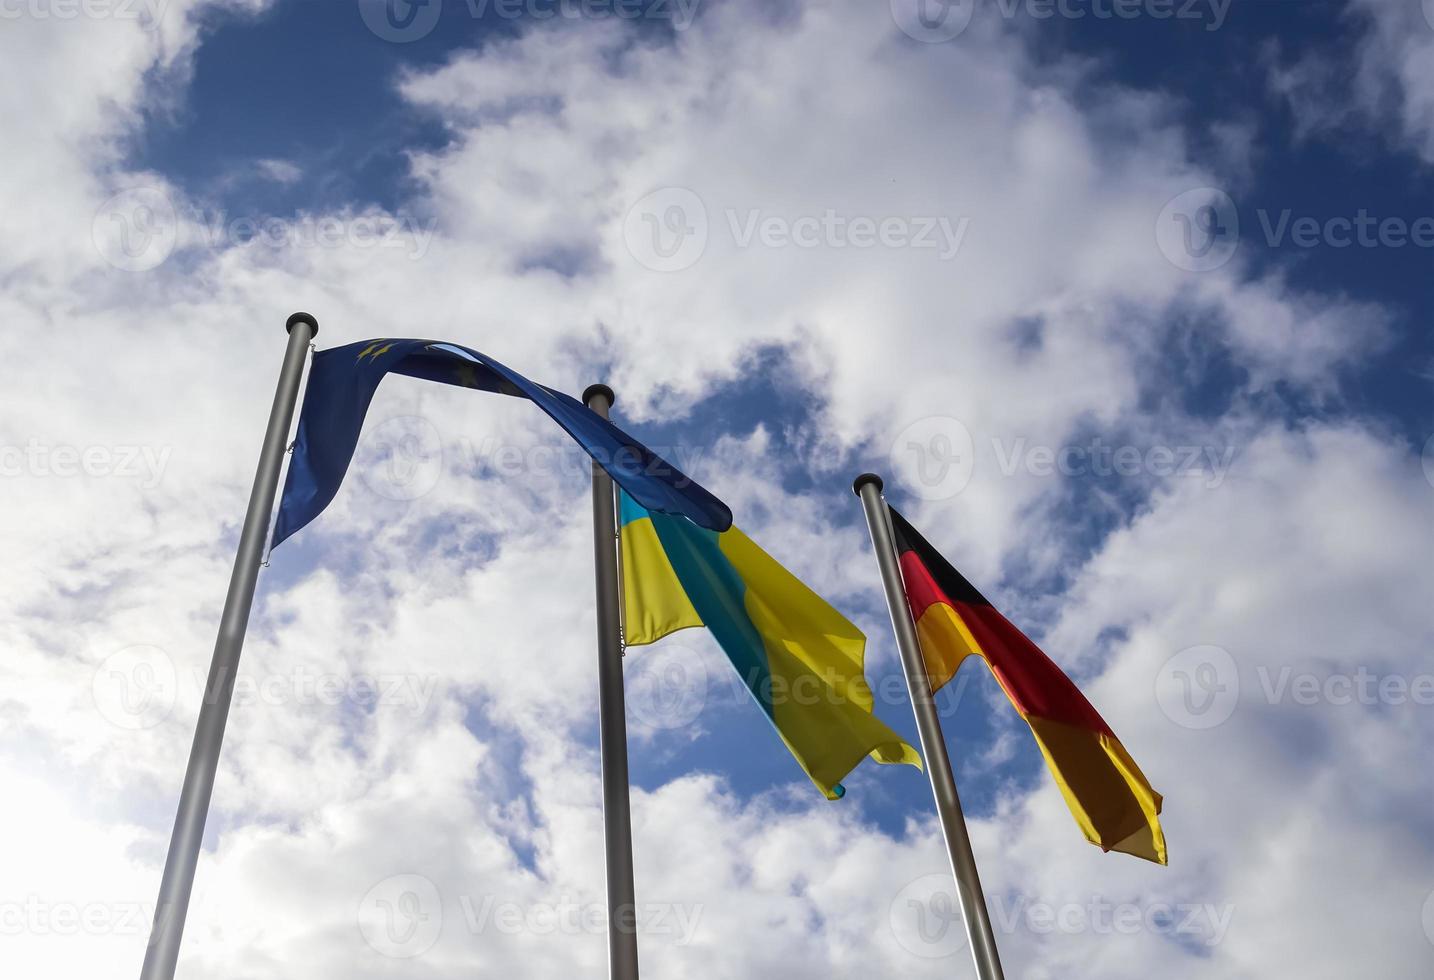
[
  {"x": 299, "y": 318},
  {"x": 599, "y": 389},
  {"x": 863, "y": 480}
]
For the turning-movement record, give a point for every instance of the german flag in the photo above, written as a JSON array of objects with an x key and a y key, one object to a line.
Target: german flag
[{"x": 1105, "y": 790}]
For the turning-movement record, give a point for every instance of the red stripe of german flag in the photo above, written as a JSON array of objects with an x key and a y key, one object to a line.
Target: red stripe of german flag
[{"x": 1105, "y": 790}]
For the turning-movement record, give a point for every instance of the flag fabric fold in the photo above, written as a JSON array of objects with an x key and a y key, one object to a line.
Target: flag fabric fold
[
  {"x": 800, "y": 659},
  {"x": 341, "y": 385},
  {"x": 1108, "y": 795}
]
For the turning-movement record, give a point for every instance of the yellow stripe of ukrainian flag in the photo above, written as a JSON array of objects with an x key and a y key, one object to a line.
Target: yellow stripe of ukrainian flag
[{"x": 654, "y": 602}]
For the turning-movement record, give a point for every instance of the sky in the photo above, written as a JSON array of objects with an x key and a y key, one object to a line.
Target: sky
[{"x": 1127, "y": 300}]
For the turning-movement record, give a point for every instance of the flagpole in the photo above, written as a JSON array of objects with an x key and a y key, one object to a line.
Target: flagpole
[
  {"x": 977, "y": 918},
  {"x": 162, "y": 954},
  {"x": 612, "y": 714}
]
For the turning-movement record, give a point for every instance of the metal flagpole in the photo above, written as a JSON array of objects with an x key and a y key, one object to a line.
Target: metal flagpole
[
  {"x": 184, "y": 844},
  {"x": 612, "y": 712},
  {"x": 868, "y": 487}
]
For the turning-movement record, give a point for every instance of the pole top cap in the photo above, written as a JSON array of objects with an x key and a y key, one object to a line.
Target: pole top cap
[
  {"x": 863, "y": 480},
  {"x": 299, "y": 318},
  {"x": 599, "y": 389}
]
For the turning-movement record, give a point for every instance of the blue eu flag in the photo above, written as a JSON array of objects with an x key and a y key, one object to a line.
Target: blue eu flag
[{"x": 342, "y": 383}]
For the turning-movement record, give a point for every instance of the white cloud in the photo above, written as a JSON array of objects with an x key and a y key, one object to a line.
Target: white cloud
[
  {"x": 280, "y": 171},
  {"x": 1397, "y": 60},
  {"x": 1387, "y": 83}
]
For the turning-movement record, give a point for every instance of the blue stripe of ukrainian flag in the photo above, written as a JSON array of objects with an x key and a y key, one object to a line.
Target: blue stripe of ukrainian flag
[{"x": 801, "y": 660}]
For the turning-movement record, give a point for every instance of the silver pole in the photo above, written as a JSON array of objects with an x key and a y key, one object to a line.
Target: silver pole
[
  {"x": 184, "y": 844},
  {"x": 612, "y": 713},
  {"x": 933, "y": 743}
]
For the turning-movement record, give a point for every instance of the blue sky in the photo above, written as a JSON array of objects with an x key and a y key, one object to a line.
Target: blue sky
[{"x": 588, "y": 198}]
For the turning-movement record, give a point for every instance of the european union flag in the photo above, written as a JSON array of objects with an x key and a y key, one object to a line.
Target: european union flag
[{"x": 341, "y": 386}]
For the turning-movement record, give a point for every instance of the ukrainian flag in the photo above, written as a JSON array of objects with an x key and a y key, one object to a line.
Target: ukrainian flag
[{"x": 800, "y": 659}]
